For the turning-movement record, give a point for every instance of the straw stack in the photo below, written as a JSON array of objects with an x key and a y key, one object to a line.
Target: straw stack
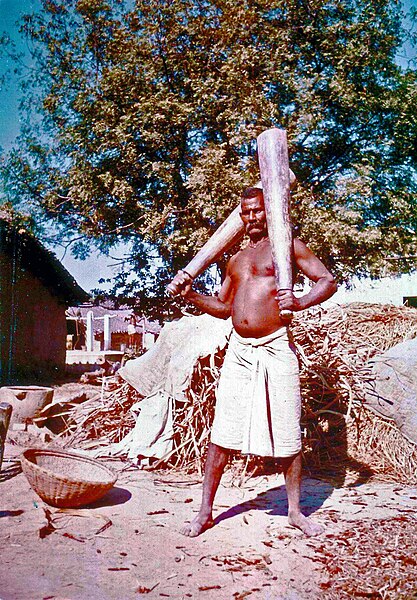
[{"x": 334, "y": 346}]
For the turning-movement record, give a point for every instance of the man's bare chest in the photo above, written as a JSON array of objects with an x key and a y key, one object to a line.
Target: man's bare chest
[{"x": 254, "y": 263}]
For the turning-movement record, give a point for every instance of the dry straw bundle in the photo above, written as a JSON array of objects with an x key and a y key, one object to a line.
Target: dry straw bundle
[
  {"x": 103, "y": 420},
  {"x": 334, "y": 346}
]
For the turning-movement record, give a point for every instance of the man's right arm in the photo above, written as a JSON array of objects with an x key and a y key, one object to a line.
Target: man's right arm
[{"x": 218, "y": 306}]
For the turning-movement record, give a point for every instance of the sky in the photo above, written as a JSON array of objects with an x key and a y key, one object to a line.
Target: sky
[{"x": 87, "y": 272}]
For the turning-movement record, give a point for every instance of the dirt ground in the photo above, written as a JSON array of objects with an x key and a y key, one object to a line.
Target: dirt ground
[
  {"x": 250, "y": 553},
  {"x": 128, "y": 545}
]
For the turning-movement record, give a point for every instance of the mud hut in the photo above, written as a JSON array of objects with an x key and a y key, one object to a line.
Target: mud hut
[{"x": 35, "y": 292}]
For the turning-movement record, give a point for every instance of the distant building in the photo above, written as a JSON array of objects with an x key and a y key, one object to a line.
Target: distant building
[
  {"x": 101, "y": 329},
  {"x": 35, "y": 291}
]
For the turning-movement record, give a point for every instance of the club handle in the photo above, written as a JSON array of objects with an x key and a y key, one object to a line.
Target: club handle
[
  {"x": 285, "y": 313},
  {"x": 172, "y": 290}
]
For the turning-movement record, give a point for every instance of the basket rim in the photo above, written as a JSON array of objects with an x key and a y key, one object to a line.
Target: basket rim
[{"x": 41, "y": 451}]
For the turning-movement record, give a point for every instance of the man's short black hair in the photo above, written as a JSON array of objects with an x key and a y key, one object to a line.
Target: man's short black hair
[{"x": 251, "y": 192}]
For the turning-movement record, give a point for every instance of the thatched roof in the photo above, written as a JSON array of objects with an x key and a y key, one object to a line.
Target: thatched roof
[{"x": 29, "y": 253}]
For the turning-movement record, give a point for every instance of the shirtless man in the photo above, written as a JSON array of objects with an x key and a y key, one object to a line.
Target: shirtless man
[{"x": 248, "y": 418}]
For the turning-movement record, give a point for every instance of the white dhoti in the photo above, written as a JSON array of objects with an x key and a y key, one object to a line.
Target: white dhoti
[{"x": 258, "y": 401}]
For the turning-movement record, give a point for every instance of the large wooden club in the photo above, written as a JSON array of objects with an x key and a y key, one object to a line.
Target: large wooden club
[
  {"x": 228, "y": 234},
  {"x": 272, "y": 147},
  {"x": 275, "y": 177}
]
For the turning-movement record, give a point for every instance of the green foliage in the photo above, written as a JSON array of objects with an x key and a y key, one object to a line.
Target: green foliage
[{"x": 140, "y": 125}]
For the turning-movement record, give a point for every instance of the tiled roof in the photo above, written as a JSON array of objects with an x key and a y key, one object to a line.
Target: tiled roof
[{"x": 119, "y": 318}]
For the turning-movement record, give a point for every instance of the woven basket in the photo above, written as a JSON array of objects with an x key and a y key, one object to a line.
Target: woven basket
[{"x": 66, "y": 480}]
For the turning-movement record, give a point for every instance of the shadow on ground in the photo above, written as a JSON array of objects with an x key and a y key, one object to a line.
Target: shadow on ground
[
  {"x": 274, "y": 501},
  {"x": 113, "y": 497},
  {"x": 10, "y": 469}
]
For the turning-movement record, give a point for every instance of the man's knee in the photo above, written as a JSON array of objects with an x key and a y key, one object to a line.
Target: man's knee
[
  {"x": 218, "y": 450},
  {"x": 287, "y": 461}
]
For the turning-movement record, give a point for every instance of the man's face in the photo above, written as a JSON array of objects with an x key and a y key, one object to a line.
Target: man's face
[{"x": 253, "y": 216}]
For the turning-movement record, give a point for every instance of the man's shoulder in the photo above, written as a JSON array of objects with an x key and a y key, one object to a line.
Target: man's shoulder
[{"x": 239, "y": 255}]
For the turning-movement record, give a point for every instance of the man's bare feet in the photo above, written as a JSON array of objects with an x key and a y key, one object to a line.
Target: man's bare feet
[
  {"x": 307, "y": 526},
  {"x": 197, "y": 526}
]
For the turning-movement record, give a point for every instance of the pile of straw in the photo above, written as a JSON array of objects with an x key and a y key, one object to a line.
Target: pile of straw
[
  {"x": 334, "y": 346},
  {"x": 103, "y": 420}
]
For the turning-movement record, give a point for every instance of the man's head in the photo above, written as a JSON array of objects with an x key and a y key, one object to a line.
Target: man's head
[{"x": 253, "y": 213}]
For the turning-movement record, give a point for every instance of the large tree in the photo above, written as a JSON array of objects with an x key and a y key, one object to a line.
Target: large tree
[{"x": 140, "y": 121}]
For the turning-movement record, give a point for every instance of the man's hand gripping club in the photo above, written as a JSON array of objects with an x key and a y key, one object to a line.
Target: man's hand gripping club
[{"x": 181, "y": 284}]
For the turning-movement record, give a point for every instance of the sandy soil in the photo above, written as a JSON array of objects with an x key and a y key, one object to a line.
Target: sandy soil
[{"x": 250, "y": 553}]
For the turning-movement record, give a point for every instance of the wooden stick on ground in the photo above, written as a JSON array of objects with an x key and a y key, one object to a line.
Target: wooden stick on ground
[{"x": 5, "y": 414}]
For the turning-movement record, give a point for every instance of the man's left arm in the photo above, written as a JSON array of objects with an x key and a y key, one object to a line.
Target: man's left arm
[{"x": 324, "y": 283}]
